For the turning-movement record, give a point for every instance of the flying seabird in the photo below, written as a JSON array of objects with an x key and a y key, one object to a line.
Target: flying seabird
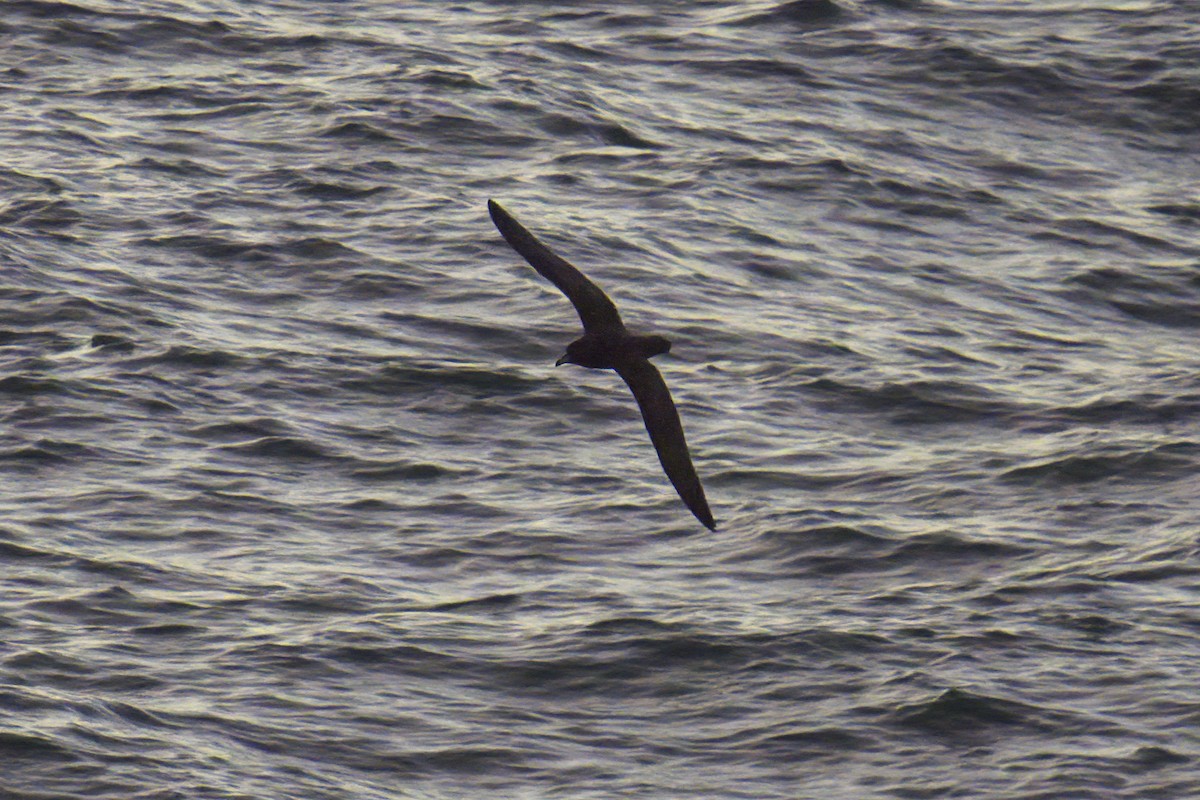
[{"x": 607, "y": 344}]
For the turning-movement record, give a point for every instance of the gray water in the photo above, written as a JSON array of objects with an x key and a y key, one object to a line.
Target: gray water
[{"x": 295, "y": 504}]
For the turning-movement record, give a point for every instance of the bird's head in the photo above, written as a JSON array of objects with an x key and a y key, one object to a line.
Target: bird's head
[
  {"x": 572, "y": 356},
  {"x": 586, "y": 351}
]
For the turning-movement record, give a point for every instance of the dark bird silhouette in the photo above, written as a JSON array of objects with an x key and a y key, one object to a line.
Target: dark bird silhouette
[{"x": 607, "y": 344}]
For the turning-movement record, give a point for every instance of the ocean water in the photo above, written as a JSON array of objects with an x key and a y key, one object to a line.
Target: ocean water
[{"x": 293, "y": 503}]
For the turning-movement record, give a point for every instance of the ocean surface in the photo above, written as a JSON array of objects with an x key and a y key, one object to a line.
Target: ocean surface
[{"x": 294, "y": 504}]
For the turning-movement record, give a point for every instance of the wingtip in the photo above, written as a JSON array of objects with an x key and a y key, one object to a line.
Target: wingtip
[
  {"x": 704, "y": 516},
  {"x": 500, "y": 218}
]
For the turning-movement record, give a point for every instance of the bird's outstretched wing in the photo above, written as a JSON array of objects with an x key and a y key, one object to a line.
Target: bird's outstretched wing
[
  {"x": 596, "y": 311},
  {"x": 666, "y": 432}
]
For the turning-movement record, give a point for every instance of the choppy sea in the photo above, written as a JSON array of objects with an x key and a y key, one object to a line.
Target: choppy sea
[{"x": 293, "y": 503}]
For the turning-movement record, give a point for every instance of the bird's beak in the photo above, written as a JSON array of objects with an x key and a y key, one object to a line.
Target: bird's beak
[{"x": 561, "y": 361}]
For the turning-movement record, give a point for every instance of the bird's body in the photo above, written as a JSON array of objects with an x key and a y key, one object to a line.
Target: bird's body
[
  {"x": 610, "y": 349},
  {"x": 607, "y": 344}
]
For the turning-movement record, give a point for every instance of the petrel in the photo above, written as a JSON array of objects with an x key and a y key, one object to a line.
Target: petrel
[{"x": 607, "y": 344}]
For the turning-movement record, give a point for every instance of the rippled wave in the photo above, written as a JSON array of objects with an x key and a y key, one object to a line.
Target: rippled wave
[{"x": 296, "y": 505}]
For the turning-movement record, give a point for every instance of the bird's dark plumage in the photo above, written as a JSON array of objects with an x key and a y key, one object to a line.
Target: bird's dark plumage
[
  {"x": 596, "y": 311},
  {"x": 606, "y": 344}
]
